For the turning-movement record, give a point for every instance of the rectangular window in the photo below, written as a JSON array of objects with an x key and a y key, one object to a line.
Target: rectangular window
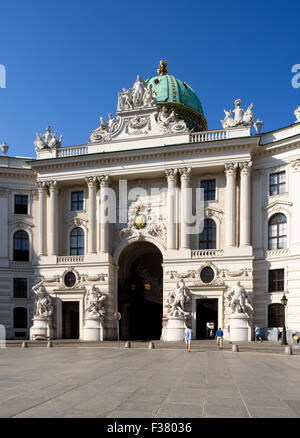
[
  {"x": 276, "y": 280},
  {"x": 21, "y": 204},
  {"x": 76, "y": 201},
  {"x": 20, "y": 287},
  {"x": 277, "y": 183},
  {"x": 209, "y": 187}
]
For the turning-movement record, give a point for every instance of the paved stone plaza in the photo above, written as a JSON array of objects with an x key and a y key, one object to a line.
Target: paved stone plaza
[{"x": 93, "y": 381}]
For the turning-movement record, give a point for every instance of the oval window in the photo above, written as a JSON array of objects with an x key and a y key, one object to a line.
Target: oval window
[
  {"x": 207, "y": 274},
  {"x": 70, "y": 279}
]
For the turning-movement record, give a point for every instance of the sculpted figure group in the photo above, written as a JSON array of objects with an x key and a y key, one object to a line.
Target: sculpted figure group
[
  {"x": 43, "y": 303},
  {"x": 239, "y": 300},
  {"x": 137, "y": 96},
  {"x": 94, "y": 303},
  {"x": 176, "y": 301},
  {"x": 47, "y": 140}
]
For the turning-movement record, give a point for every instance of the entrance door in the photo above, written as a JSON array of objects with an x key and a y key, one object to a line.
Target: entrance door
[
  {"x": 207, "y": 318},
  {"x": 140, "y": 292},
  {"x": 70, "y": 320}
]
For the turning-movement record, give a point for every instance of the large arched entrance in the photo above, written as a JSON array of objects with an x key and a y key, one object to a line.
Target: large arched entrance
[{"x": 140, "y": 292}]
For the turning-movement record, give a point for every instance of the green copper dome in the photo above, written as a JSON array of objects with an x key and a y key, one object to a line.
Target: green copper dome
[{"x": 178, "y": 96}]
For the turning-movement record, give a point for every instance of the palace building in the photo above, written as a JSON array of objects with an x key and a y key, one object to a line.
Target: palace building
[{"x": 110, "y": 216}]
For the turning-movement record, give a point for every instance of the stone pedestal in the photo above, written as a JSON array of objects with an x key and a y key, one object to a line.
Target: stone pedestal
[
  {"x": 174, "y": 329},
  {"x": 93, "y": 330},
  {"x": 239, "y": 328},
  {"x": 41, "y": 329}
]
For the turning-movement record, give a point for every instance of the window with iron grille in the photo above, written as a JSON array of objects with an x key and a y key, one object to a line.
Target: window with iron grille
[
  {"x": 77, "y": 201},
  {"x": 276, "y": 280},
  {"x": 277, "y": 183},
  {"x": 21, "y": 204},
  {"x": 20, "y": 287},
  {"x": 209, "y": 187}
]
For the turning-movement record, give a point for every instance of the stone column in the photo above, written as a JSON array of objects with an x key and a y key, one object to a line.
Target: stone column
[
  {"x": 171, "y": 175},
  {"x": 92, "y": 184},
  {"x": 53, "y": 187},
  {"x": 245, "y": 204},
  {"x": 230, "y": 206},
  {"x": 185, "y": 176},
  {"x": 41, "y": 185},
  {"x": 104, "y": 224}
]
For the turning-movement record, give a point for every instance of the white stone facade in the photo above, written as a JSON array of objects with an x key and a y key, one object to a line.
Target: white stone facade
[{"x": 151, "y": 150}]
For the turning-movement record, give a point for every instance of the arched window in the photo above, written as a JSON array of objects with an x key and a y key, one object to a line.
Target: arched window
[
  {"x": 277, "y": 232},
  {"x": 21, "y": 246},
  {"x": 275, "y": 315},
  {"x": 20, "y": 317},
  {"x": 77, "y": 242},
  {"x": 207, "y": 238}
]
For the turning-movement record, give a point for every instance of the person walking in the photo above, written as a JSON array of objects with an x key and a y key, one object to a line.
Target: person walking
[
  {"x": 219, "y": 338},
  {"x": 257, "y": 334},
  {"x": 188, "y": 338}
]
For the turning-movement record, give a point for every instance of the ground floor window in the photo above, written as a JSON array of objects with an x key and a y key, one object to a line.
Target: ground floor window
[
  {"x": 20, "y": 317},
  {"x": 276, "y": 315}
]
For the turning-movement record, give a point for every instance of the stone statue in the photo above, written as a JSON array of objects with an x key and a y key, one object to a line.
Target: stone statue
[
  {"x": 104, "y": 131},
  {"x": 241, "y": 117},
  {"x": 239, "y": 300},
  {"x": 47, "y": 140},
  {"x": 94, "y": 303},
  {"x": 44, "y": 308},
  {"x": 258, "y": 125},
  {"x": 248, "y": 116},
  {"x": 148, "y": 98},
  {"x": 125, "y": 100},
  {"x": 177, "y": 300},
  {"x": 164, "y": 118},
  {"x": 138, "y": 90},
  {"x": 297, "y": 114}
]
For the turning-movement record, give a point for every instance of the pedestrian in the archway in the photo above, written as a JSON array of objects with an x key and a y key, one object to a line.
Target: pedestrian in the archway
[
  {"x": 219, "y": 338},
  {"x": 188, "y": 338}
]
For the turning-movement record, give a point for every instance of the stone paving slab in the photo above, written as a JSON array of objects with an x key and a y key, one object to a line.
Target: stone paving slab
[{"x": 140, "y": 383}]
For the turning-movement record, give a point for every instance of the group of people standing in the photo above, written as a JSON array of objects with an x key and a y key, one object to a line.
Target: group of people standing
[{"x": 188, "y": 333}]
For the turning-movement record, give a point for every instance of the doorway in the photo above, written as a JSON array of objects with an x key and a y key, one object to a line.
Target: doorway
[
  {"x": 70, "y": 320},
  {"x": 206, "y": 318},
  {"x": 140, "y": 292}
]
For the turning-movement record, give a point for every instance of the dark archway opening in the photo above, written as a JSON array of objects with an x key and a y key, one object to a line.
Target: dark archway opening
[
  {"x": 207, "y": 318},
  {"x": 70, "y": 320},
  {"x": 140, "y": 292}
]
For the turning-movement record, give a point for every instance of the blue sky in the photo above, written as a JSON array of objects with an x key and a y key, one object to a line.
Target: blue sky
[{"x": 66, "y": 60}]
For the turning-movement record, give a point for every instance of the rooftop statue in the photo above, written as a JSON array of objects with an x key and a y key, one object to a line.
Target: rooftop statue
[
  {"x": 47, "y": 140},
  {"x": 241, "y": 117}
]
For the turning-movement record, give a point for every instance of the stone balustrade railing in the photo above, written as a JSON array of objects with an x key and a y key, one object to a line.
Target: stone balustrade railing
[
  {"x": 72, "y": 151},
  {"x": 277, "y": 253},
  {"x": 198, "y": 253},
  {"x": 70, "y": 259},
  {"x": 219, "y": 134}
]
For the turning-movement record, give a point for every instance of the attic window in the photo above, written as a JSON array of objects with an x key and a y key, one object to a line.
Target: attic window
[
  {"x": 156, "y": 81},
  {"x": 186, "y": 85}
]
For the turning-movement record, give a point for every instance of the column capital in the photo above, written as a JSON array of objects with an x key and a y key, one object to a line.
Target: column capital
[
  {"x": 53, "y": 185},
  {"x": 104, "y": 180},
  {"x": 41, "y": 185},
  {"x": 171, "y": 174},
  {"x": 231, "y": 168},
  {"x": 295, "y": 165},
  {"x": 185, "y": 173},
  {"x": 91, "y": 181},
  {"x": 245, "y": 167},
  {"x": 4, "y": 192}
]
